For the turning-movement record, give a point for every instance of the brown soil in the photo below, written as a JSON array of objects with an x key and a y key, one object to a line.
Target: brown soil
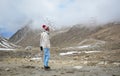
[{"x": 19, "y": 63}]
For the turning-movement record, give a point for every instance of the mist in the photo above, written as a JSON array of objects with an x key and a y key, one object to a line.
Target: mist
[{"x": 14, "y": 14}]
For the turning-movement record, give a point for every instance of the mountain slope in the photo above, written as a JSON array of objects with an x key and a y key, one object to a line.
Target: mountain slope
[
  {"x": 71, "y": 37},
  {"x": 4, "y": 43},
  {"x": 108, "y": 33},
  {"x": 26, "y": 36}
]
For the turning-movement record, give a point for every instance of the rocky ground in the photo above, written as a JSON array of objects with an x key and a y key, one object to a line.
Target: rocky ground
[{"x": 24, "y": 63}]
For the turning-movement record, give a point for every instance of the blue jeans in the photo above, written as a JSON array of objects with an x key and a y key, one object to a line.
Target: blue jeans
[{"x": 46, "y": 56}]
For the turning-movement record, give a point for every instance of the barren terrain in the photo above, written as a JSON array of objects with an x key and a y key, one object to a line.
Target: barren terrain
[{"x": 29, "y": 63}]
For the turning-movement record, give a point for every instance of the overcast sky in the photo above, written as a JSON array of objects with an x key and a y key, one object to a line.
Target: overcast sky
[{"x": 15, "y": 13}]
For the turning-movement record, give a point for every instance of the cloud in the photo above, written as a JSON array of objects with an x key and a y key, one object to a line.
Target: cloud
[{"x": 15, "y": 13}]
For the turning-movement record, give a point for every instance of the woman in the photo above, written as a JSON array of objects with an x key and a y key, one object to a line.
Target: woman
[{"x": 45, "y": 45}]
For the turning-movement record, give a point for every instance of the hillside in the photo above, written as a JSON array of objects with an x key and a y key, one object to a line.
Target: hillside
[
  {"x": 26, "y": 36},
  {"x": 73, "y": 36},
  {"x": 110, "y": 32},
  {"x": 4, "y": 43}
]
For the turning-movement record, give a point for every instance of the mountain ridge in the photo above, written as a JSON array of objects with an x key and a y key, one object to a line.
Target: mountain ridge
[{"x": 73, "y": 35}]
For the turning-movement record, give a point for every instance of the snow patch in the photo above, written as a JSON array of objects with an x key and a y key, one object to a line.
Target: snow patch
[
  {"x": 90, "y": 51},
  {"x": 6, "y": 44},
  {"x": 35, "y": 59},
  {"x": 7, "y": 49},
  {"x": 85, "y": 46},
  {"x": 68, "y": 53},
  {"x": 3, "y": 45},
  {"x": 78, "y": 67},
  {"x": 77, "y": 47},
  {"x": 76, "y": 52}
]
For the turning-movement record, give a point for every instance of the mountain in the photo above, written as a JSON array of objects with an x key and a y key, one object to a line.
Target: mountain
[
  {"x": 4, "y": 43},
  {"x": 26, "y": 36},
  {"x": 70, "y": 37},
  {"x": 110, "y": 34},
  {"x": 77, "y": 35}
]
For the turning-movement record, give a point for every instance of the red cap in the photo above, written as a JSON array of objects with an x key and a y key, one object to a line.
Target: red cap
[{"x": 45, "y": 27}]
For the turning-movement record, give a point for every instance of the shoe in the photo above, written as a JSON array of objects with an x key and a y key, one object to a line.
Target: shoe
[{"x": 46, "y": 67}]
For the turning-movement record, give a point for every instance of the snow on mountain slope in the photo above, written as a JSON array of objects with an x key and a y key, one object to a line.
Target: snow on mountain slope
[{"x": 4, "y": 43}]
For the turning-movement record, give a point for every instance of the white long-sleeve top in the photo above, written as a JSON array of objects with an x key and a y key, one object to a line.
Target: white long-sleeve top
[{"x": 45, "y": 40}]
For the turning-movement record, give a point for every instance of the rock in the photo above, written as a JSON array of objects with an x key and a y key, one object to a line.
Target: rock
[
  {"x": 7, "y": 69},
  {"x": 28, "y": 48}
]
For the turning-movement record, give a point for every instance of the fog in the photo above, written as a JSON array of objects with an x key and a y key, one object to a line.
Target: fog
[{"x": 14, "y": 14}]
